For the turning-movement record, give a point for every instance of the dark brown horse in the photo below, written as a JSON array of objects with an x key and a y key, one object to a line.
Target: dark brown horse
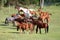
[{"x": 41, "y": 25}]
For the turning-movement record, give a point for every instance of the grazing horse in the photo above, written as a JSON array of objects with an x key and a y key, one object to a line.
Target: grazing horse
[
  {"x": 23, "y": 24},
  {"x": 41, "y": 25},
  {"x": 12, "y": 18}
]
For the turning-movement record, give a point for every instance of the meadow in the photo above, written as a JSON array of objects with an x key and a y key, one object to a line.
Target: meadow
[{"x": 10, "y": 33}]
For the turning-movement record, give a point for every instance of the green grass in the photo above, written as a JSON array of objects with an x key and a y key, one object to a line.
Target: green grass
[{"x": 10, "y": 33}]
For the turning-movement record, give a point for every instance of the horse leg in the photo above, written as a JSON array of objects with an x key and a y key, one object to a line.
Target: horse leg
[
  {"x": 40, "y": 30},
  {"x": 30, "y": 31},
  {"x": 23, "y": 27},
  {"x": 47, "y": 29},
  {"x": 13, "y": 23},
  {"x": 31, "y": 28},
  {"x": 20, "y": 27},
  {"x": 36, "y": 29},
  {"x": 26, "y": 25},
  {"x": 23, "y": 30},
  {"x": 17, "y": 28}
]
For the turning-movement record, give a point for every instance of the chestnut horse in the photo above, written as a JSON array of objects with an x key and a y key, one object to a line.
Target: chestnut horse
[
  {"x": 44, "y": 15},
  {"x": 23, "y": 24}
]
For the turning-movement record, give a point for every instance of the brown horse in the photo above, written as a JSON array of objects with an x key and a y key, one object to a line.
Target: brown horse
[
  {"x": 23, "y": 24},
  {"x": 44, "y": 15},
  {"x": 41, "y": 25}
]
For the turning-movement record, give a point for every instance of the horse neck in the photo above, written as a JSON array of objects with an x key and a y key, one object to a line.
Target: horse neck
[{"x": 40, "y": 19}]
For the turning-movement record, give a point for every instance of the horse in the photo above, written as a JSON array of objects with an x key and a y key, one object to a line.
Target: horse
[
  {"x": 12, "y": 18},
  {"x": 43, "y": 20},
  {"x": 23, "y": 24},
  {"x": 44, "y": 15},
  {"x": 41, "y": 25},
  {"x": 27, "y": 12}
]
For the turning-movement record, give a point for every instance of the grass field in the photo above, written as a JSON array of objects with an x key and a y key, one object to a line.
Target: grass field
[{"x": 10, "y": 33}]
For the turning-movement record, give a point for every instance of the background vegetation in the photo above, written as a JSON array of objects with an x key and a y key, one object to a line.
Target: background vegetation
[{"x": 10, "y": 33}]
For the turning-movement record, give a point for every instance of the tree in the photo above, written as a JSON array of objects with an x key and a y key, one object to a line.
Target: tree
[
  {"x": 41, "y": 3},
  {"x": 27, "y": 2}
]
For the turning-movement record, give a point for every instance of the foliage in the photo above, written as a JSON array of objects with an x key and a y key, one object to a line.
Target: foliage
[{"x": 27, "y": 2}]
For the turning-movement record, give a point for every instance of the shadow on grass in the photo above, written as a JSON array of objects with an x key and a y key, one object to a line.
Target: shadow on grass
[
  {"x": 2, "y": 24},
  {"x": 7, "y": 26},
  {"x": 12, "y": 27},
  {"x": 14, "y": 32}
]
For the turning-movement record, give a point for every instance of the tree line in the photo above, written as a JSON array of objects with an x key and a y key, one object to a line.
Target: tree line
[{"x": 26, "y": 2}]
